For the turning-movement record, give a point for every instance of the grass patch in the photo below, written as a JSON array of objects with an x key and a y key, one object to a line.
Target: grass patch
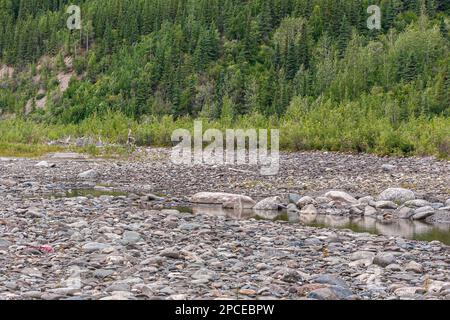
[{"x": 26, "y": 150}]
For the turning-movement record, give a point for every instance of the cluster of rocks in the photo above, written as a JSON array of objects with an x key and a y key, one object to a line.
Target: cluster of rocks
[
  {"x": 111, "y": 247},
  {"x": 106, "y": 248},
  {"x": 391, "y": 203}
]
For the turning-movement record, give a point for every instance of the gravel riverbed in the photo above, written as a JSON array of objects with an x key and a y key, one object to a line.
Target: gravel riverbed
[{"x": 120, "y": 244}]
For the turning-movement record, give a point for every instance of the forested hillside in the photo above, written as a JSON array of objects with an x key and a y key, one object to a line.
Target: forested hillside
[{"x": 310, "y": 67}]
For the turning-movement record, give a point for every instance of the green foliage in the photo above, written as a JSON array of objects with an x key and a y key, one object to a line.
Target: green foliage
[{"x": 312, "y": 62}]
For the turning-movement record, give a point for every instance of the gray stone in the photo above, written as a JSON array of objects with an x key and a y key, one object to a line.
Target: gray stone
[
  {"x": 293, "y": 216},
  {"x": 204, "y": 274},
  {"x": 388, "y": 167},
  {"x": 103, "y": 273},
  {"x": 414, "y": 266},
  {"x": 365, "y": 200},
  {"x": 385, "y": 205},
  {"x": 362, "y": 255},
  {"x": 417, "y": 203},
  {"x": 4, "y": 244},
  {"x": 304, "y": 201},
  {"x": 405, "y": 213},
  {"x": 423, "y": 213},
  {"x": 370, "y": 211},
  {"x": 170, "y": 253},
  {"x": 384, "y": 259},
  {"x": 153, "y": 197},
  {"x": 190, "y": 226},
  {"x": 330, "y": 293},
  {"x": 447, "y": 203},
  {"x": 397, "y": 195},
  {"x": 293, "y": 198},
  {"x": 355, "y": 211},
  {"x": 330, "y": 279},
  {"x": 272, "y": 203},
  {"x": 95, "y": 246},
  {"x": 130, "y": 237},
  {"x": 222, "y": 198},
  {"x": 88, "y": 175}
]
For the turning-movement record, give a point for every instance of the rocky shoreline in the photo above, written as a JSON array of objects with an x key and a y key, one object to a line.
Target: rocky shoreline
[{"x": 124, "y": 244}]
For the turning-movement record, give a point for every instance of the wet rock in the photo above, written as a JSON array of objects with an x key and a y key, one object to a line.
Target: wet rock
[
  {"x": 309, "y": 209},
  {"x": 356, "y": 211},
  {"x": 397, "y": 195},
  {"x": 423, "y": 213},
  {"x": 293, "y": 216},
  {"x": 370, "y": 211},
  {"x": 405, "y": 213}
]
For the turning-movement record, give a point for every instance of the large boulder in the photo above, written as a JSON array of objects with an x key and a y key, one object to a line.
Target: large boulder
[
  {"x": 272, "y": 203},
  {"x": 397, "y": 195},
  {"x": 340, "y": 196},
  {"x": 223, "y": 199}
]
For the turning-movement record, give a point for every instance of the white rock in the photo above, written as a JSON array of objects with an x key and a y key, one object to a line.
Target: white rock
[
  {"x": 90, "y": 174},
  {"x": 45, "y": 164},
  {"x": 222, "y": 198},
  {"x": 340, "y": 196}
]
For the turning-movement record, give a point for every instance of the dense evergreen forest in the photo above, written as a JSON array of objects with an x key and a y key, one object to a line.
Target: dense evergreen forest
[{"x": 312, "y": 67}]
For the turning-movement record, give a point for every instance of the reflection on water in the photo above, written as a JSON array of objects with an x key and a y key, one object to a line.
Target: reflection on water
[{"x": 416, "y": 230}]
